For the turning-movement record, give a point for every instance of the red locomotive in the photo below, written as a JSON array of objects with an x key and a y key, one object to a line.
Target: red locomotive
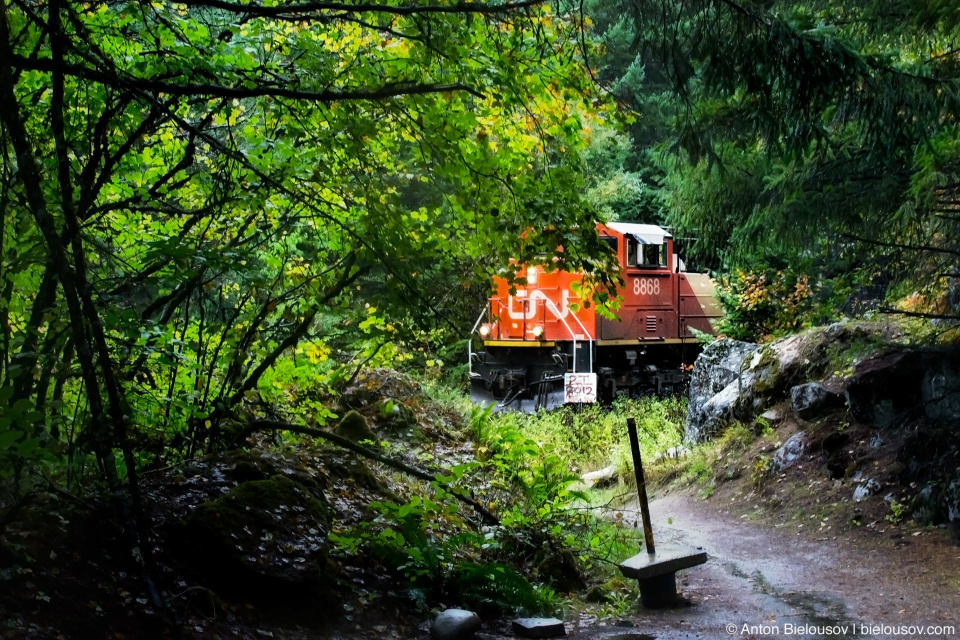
[{"x": 543, "y": 336}]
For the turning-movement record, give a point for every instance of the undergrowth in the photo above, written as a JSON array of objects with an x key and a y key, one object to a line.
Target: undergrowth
[
  {"x": 707, "y": 463},
  {"x": 554, "y": 536},
  {"x": 595, "y": 436}
]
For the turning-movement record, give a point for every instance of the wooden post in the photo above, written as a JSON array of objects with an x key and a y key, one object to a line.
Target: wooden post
[{"x": 641, "y": 486}]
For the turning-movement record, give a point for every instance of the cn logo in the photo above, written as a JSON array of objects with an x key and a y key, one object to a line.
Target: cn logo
[{"x": 531, "y": 307}]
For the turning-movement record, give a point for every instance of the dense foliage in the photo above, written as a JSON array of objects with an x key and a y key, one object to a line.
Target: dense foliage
[
  {"x": 215, "y": 211},
  {"x": 192, "y": 190},
  {"x": 814, "y": 136}
]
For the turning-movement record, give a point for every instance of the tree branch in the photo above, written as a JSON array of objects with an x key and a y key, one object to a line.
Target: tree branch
[
  {"x": 273, "y": 425},
  {"x": 918, "y": 314},
  {"x": 118, "y": 81},
  {"x": 263, "y": 11},
  {"x": 893, "y": 245}
]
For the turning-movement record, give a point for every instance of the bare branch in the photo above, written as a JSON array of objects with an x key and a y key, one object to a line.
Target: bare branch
[
  {"x": 918, "y": 314},
  {"x": 272, "y": 425},
  {"x": 394, "y": 90},
  {"x": 894, "y": 245},
  {"x": 263, "y": 11}
]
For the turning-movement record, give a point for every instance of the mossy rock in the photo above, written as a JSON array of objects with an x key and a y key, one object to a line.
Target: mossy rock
[
  {"x": 396, "y": 416},
  {"x": 561, "y": 569},
  {"x": 245, "y": 465},
  {"x": 359, "y": 473},
  {"x": 354, "y": 427},
  {"x": 261, "y": 536},
  {"x": 607, "y": 592}
]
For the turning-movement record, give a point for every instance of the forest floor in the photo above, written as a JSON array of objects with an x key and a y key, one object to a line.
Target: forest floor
[
  {"x": 793, "y": 554},
  {"x": 771, "y": 579}
]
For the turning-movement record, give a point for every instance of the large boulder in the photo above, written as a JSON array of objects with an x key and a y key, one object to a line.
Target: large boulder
[
  {"x": 897, "y": 385},
  {"x": 715, "y": 373},
  {"x": 717, "y": 367},
  {"x": 734, "y": 380},
  {"x": 262, "y": 536},
  {"x": 773, "y": 368}
]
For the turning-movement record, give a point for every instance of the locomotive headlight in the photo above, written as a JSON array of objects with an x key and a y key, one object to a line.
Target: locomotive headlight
[
  {"x": 537, "y": 332},
  {"x": 531, "y": 275},
  {"x": 485, "y": 330}
]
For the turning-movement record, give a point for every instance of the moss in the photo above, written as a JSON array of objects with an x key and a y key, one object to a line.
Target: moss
[
  {"x": 252, "y": 503},
  {"x": 766, "y": 366},
  {"x": 396, "y": 416},
  {"x": 354, "y": 427},
  {"x": 608, "y": 592},
  {"x": 273, "y": 530}
]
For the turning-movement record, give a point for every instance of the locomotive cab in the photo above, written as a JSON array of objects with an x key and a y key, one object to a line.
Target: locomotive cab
[{"x": 543, "y": 337}]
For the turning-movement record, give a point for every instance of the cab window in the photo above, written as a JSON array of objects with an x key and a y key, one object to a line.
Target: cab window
[
  {"x": 646, "y": 255},
  {"x": 632, "y": 246},
  {"x": 650, "y": 255}
]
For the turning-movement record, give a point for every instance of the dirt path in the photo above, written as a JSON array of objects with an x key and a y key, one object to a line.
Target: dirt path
[{"x": 777, "y": 581}]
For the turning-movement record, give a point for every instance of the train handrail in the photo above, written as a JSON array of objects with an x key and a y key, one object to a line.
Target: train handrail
[
  {"x": 470, "y": 343},
  {"x": 553, "y": 309},
  {"x": 587, "y": 333}
]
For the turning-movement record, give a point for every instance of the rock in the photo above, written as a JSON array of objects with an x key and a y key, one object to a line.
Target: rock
[
  {"x": 455, "y": 624},
  {"x": 244, "y": 465},
  {"x": 561, "y": 569},
  {"x": 396, "y": 416},
  {"x": 713, "y": 372},
  {"x": 772, "y": 416},
  {"x": 607, "y": 591},
  {"x": 894, "y": 386},
  {"x": 789, "y": 453},
  {"x": 354, "y": 427},
  {"x": 772, "y": 369},
  {"x": 811, "y": 399},
  {"x": 952, "y": 501},
  {"x": 598, "y": 594},
  {"x": 737, "y": 380},
  {"x": 713, "y": 416},
  {"x": 867, "y": 488},
  {"x": 539, "y": 628},
  {"x": 599, "y": 479},
  {"x": 925, "y": 506},
  {"x": 261, "y": 536}
]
